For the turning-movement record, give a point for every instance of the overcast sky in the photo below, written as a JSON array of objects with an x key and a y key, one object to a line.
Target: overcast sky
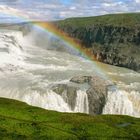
[{"x": 16, "y": 10}]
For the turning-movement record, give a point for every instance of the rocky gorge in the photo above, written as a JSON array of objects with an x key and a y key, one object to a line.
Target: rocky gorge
[
  {"x": 36, "y": 70},
  {"x": 112, "y": 39}
]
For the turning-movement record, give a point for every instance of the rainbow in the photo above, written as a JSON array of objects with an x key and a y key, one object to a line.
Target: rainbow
[
  {"x": 73, "y": 43},
  {"x": 51, "y": 28}
]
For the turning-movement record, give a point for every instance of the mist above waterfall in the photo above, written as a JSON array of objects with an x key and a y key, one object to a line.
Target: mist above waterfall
[
  {"x": 47, "y": 40},
  {"x": 33, "y": 60}
]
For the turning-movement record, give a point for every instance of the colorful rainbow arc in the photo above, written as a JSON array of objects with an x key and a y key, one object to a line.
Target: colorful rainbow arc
[{"x": 51, "y": 28}]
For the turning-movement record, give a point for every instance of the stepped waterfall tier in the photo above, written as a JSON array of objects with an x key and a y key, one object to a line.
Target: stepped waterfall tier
[{"x": 38, "y": 68}]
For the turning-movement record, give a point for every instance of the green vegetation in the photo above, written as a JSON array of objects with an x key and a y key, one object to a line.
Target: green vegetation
[
  {"x": 128, "y": 19},
  {"x": 113, "y": 39},
  {"x": 19, "y": 121}
]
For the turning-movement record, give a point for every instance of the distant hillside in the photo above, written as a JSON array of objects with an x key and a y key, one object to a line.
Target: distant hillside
[
  {"x": 130, "y": 19},
  {"x": 19, "y": 121},
  {"x": 113, "y": 39}
]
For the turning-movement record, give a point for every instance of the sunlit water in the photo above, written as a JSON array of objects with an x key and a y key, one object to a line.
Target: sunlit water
[{"x": 27, "y": 70}]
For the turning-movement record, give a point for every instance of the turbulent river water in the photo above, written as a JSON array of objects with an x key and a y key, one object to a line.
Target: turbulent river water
[{"x": 32, "y": 61}]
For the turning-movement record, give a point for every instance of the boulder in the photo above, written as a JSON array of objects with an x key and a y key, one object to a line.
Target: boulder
[
  {"x": 81, "y": 79},
  {"x": 68, "y": 93},
  {"x": 96, "y": 92}
]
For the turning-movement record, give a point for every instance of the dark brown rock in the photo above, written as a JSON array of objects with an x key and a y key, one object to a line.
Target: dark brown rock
[{"x": 81, "y": 79}]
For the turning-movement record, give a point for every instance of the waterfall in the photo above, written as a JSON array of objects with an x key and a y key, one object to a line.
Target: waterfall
[
  {"x": 134, "y": 97},
  {"x": 31, "y": 61},
  {"x": 53, "y": 101},
  {"x": 81, "y": 102},
  {"x": 49, "y": 100},
  {"x": 118, "y": 103}
]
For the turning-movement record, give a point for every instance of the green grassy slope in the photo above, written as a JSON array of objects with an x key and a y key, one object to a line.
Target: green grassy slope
[
  {"x": 128, "y": 19},
  {"x": 19, "y": 121}
]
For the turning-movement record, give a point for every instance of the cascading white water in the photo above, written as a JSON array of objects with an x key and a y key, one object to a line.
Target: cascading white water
[
  {"x": 118, "y": 102},
  {"x": 27, "y": 69},
  {"x": 82, "y": 102},
  {"x": 134, "y": 97},
  {"x": 49, "y": 100}
]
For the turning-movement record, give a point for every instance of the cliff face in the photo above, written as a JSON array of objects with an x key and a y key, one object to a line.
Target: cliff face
[{"x": 115, "y": 44}]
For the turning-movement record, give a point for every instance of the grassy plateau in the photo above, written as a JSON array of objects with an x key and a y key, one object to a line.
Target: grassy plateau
[
  {"x": 122, "y": 19},
  {"x": 19, "y": 121}
]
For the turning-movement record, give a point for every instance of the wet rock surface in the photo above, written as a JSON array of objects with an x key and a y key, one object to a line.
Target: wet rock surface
[
  {"x": 67, "y": 92},
  {"x": 96, "y": 92},
  {"x": 81, "y": 80}
]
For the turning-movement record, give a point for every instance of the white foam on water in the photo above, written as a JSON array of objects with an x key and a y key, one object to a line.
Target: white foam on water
[
  {"x": 25, "y": 70},
  {"x": 134, "y": 97},
  {"x": 49, "y": 100},
  {"x": 82, "y": 102},
  {"x": 118, "y": 102}
]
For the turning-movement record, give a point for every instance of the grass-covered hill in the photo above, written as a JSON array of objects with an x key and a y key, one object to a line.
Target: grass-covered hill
[
  {"x": 19, "y": 121},
  {"x": 112, "y": 39},
  {"x": 126, "y": 19}
]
